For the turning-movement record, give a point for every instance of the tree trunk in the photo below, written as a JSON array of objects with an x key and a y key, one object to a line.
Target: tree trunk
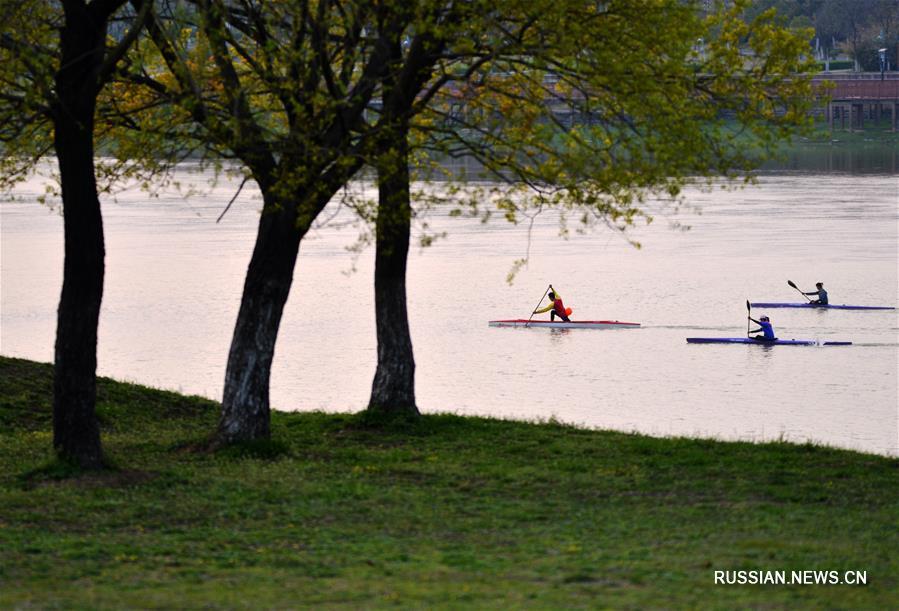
[
  {"x": 76, "y": 433},
  {"x": 393, "y": 389},
  {"x": 245, "y": 403}
]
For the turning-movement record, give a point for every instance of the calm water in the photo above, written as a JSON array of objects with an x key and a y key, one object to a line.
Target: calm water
[{"x": 174, "y": 278}]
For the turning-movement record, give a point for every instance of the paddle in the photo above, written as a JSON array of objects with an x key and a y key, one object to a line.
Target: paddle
[
  {"x": 790, "y": 282},
  {"x": 538, "y": 305},
  {"x": 748, "y": 314}
]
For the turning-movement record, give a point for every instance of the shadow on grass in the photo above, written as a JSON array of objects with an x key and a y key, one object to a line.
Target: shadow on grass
[
  {"x": 261, "y": 449},
  {"x": 412, "y": 425},
  {"x": 69, "y": 473}
]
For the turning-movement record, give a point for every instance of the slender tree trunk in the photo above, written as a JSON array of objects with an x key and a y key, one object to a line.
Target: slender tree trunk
[
  {"x": 393, "y": 389},
  {"x": 76, "y": 433},
  {"x": 245, "y": 404}
]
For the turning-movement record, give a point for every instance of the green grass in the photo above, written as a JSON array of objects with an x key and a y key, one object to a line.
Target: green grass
[
  {"x": 874, "y": 132},
  {"x": 449, "y": 512},
  {"x": 837, "y": 65}
]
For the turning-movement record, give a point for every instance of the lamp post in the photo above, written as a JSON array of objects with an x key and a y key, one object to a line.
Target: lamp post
[{"x": 883, "y": 61}]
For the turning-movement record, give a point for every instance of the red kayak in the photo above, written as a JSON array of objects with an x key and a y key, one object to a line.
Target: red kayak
[{"x": 559, "y": 324}]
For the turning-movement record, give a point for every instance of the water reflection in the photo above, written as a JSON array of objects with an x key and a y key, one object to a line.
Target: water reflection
[
  {"x": 556, "y": 335},
  {"x": 808, "y": 158},
  {"x": 866, "y": 158}
]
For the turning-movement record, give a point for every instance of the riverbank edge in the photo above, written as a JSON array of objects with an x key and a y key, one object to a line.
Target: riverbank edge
[{"x": 446, "y": 512}]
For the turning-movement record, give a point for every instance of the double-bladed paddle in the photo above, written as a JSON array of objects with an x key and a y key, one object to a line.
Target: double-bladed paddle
[
  {"x": 548, "y": 286},
  {"x": 790, "y": 282}
]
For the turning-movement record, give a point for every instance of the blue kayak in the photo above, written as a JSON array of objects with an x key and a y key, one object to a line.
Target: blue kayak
[
  {"x": 776, "y": 342},
  {"x": 815, "y": 306}
]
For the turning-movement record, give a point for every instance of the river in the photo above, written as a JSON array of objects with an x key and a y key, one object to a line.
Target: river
[{"x": 174, "y": 278}]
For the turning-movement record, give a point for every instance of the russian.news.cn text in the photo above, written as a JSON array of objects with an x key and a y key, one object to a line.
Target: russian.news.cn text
[{"x": 792, "y": 578}]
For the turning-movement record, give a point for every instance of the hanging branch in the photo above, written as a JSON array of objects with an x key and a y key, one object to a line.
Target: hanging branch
[{"x": 228, "y": 207}]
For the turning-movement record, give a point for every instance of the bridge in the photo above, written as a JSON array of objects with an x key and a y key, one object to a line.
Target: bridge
[{"x": 857, "y": 96}]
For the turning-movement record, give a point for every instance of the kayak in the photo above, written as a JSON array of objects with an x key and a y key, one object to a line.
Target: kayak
[
  {"x": 819, "y": 307},
  {"x": 776, "y": 342},
  {"x": 574, "y": 324}
]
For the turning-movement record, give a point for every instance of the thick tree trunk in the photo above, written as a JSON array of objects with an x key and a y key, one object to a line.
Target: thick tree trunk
[
  {"x": 76, "y": 434},
  {"x": 393, "y": 389},
  {"x": 245, "y": 403}
]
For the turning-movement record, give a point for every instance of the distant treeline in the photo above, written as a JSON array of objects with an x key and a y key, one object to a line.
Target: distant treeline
[{"x": 858, "y": 28}]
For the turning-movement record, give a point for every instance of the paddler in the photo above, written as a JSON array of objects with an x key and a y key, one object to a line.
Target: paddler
[
  {"x": 820, "y": 292},
  {"x": 765, "y": 327},
  {"x": 556, "y": 307}
]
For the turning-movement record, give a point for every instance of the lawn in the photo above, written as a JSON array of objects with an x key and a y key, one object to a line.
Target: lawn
[{"x": 448, "y": 512}]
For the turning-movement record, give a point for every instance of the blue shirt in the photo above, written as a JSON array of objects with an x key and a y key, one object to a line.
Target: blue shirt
[
  {"x": 767, "y": 329},
  {"x": 822, "y": 296}
]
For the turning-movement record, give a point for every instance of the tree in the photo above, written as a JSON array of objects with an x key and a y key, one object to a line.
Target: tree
[
  {"x": 61, "y": 80},
  {"x": 432, "y": 40},
  {"x": 655, "y": 116},
  {"x": 882, "y": 33},
  {"x": 846, "y": 21},
  {"x": 393, "y": 387}
]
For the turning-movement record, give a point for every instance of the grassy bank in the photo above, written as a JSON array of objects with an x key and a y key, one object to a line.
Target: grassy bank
[
  {"x": 450, "y": 512},
  {"x": 873, "y": 132}
]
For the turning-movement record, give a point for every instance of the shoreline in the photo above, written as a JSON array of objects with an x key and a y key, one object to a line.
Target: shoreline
[{"x": 550, "y": 420}]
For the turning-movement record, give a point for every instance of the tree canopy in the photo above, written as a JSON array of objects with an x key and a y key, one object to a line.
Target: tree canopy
[{"x": 860, "y": 27}]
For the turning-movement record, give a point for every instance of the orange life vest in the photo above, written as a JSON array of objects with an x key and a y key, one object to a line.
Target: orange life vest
[{"x": 558, "y": 306}]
